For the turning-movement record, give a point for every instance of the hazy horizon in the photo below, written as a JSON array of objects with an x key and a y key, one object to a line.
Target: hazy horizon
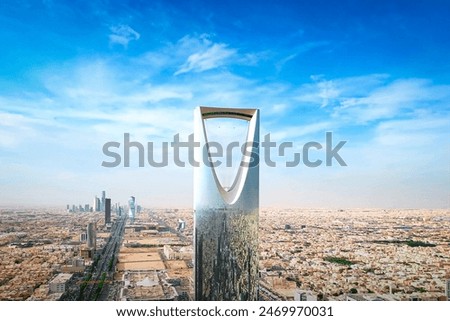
[{"x": 62, "y": 207}]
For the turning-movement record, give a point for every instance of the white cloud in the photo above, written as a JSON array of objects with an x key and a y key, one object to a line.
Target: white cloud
[
  {"x": 426, "y": 131},
  {"x": 122, "y": 35},
  {"x": 329, "y": 93},
  {"x": 392, "y": 100},
  {"x": 280, "y": 64},
  {"x": 196, "y": 53},
  {"x": 87, "y": 103},
  {"x": 300, "y": 131},
  {"x": 369, "y": 98},
  {"x": 297, "y": 51},
  {"x": 210, "y": 58},
  {"x": 206, "y": 56},
  {"x": 279, "y": 108}
]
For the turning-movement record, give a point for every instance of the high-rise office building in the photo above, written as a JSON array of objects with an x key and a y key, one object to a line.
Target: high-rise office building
[
  {"x": 96, "y": 205},
  {"x": 91, "y": 236},
  {"x": 132, "y": 208},
  {"x": 103, "y": 201},
  {"x": 107, "y": 210},
  {"x": 226, "y": 218}
]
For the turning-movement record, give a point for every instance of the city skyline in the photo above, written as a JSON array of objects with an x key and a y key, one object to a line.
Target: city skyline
[
  {"x": 330, "y": 255},
  {"x": 75, "y": 76}
]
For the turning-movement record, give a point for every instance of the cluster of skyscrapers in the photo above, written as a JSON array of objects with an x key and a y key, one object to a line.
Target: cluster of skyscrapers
[
  {"x": 80, "y": 208},
  {"x": 103, "y": 204},
  {"x": 99, "y": 204}
]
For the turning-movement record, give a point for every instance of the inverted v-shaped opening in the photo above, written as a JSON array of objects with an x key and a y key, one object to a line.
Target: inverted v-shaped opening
[{"x": 226, "y": 136}]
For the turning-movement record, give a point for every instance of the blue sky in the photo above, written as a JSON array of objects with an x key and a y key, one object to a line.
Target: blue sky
[{"x": 74, "y": 75}]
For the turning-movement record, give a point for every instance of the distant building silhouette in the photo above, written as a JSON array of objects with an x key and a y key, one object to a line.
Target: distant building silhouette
[
  {"x": 132, "y": 208},
  {"x": 96, "y": 205},
  {"x": 107, "y": 210}
]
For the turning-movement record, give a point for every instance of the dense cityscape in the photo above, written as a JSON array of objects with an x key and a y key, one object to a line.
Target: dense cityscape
[{"x": 104, "y": 252}]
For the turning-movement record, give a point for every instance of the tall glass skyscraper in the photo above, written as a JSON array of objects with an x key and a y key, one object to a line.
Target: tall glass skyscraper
[
  {"x": 132, "y": 208},
  {"x": 103, "y": 200},
  {"x": 107, "y": 210},
  {"x": 96, "y": 205},
  {"x": 226, "y": 218}
]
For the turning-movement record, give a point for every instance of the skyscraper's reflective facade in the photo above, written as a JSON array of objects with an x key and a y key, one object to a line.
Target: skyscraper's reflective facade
[
  {"x": 226, "y": 219},
  {"x": 103, "y": 200},
  {"x": 96, "y": 204},
  {"x": 91, "y": 236},
  {"x": 132, "y": 208}
]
